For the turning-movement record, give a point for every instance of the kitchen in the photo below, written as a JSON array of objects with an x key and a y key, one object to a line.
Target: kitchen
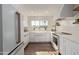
[{"x": 42, "y": 29}]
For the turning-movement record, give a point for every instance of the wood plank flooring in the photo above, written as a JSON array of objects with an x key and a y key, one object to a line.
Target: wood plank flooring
[{"x": 39, "y": 49}]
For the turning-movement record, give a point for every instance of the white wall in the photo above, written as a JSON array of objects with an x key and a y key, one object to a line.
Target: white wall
[
  {"x": 25, "y": 21},
  {"x": 68, "y": 26},
  {"x": 40, "y": 9},
  {"x": 1, "y": 42},
  {"x": 50, "y": 23},
  {"x": 67, "y": 10}
]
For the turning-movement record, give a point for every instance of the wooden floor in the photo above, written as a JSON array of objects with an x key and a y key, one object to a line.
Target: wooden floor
[{"x": 39, "y": 49}]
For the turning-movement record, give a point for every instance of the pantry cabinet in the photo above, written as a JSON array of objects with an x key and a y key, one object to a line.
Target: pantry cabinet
[{"x": 68, "y": 47}]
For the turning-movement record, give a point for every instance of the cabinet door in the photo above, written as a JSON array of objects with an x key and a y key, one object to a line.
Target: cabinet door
[
  {"x": 62, "y": 46},
  {"x": 69, "y": 47},
  {"x": 40, "y": 37},
  {"x": 26, "y": 40},
  {"x": 76, "y": 49},
  {"x": 32, "y": 37}
]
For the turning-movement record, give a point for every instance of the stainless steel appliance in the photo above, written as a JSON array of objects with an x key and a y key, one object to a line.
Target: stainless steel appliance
[
  {"x": 16, "y": 49},
  {"x": 55, "y": 42}
]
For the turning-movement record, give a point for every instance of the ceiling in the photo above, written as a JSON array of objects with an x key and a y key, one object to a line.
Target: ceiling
[{"x": 39, "y": 9}]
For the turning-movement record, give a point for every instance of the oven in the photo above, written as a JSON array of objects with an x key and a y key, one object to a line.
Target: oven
[{"x": 55, "y": 41}]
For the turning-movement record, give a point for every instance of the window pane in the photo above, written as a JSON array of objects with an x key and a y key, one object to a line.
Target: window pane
[
  {"x": 37, "y": 23},
  {"x": 41, "y": 23},
  {"x": 46, "y": 23},
  {"x": 33, "y": 23}
]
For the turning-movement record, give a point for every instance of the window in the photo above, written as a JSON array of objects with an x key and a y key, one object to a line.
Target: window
[{"x": 39, "y": 23}]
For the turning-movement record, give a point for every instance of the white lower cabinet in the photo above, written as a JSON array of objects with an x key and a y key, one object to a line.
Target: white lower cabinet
[
  {"x": 62, "y": 47},
  {"x": 76, "y": 49},
  {"x": 40, "y": 37},
  {"x": 68, "y": 47},
  {"x": 26, "y": 39}
]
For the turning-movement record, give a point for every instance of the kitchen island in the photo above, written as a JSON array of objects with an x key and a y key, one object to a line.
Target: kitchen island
[{"x": 68, "y": 44}]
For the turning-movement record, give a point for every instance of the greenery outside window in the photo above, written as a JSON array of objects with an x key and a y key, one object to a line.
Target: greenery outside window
[{"x": 39, "y": 24}]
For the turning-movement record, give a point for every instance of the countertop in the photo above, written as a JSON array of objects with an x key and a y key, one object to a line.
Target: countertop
[
  {"x": 72, "y": 29},
  {"x": 26, "y": 33},
  {"x": 74, "y": 37},
  {"x": 40, "y": 31}
]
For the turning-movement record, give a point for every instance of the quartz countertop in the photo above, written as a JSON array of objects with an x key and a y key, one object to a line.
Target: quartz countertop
[
  {"x": 40, "y": 31},
  {"x": 74, "y": 37}
]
